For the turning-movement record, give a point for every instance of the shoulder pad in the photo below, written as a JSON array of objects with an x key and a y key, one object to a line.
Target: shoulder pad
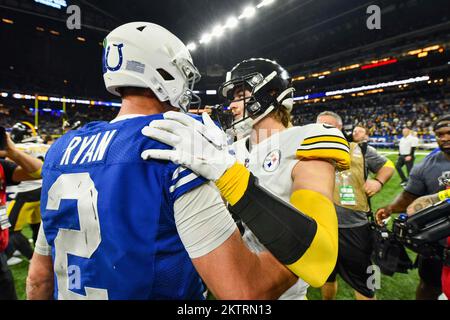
[{"x": 321, "y": 141}]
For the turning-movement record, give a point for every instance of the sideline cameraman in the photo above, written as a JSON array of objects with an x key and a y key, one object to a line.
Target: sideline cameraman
[
  {"x": 425, "y": 202},
  {"x": 427, "y": 178}
]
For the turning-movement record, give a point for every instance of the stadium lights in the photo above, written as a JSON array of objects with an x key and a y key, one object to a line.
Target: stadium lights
[
  {"x": 363, "y": 88},
  {"x": 57, "y": 4},
  {"x": 55, "y": 33},
  {"x": 40, "y": 29},
  {"x": 218, "y": 31},
  {"x": 8, "y": 21},
  {"x": 206, "y": 38},
  {"x": 379, "y": 85},
  {"x": 420, "y": 53},
  {"x": 211, "y": 92},
  {"x": 81, "y": 39},
  {"x": 191, "y": 46},
  {"x": 376, "y": 64},
  {"x": 431, "y": 48},
  {"x": 265, "y": 3},
  {"x": 20, "y": 96},
  {"x": 232, "y": 22},
  {"x": 248, "y": 12}
]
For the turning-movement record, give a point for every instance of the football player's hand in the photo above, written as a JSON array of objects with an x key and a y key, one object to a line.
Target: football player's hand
[
  {"x": 203, "y": 148},
  {"x": 383, "y": 213}
]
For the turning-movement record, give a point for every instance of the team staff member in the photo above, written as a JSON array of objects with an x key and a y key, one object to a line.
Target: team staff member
[
  {"x": 407, "y": 147},
  {"x": 352, "y": 194},
  {"x": 23, "y": 168},
  {"x": 425, "y": 202},
  {"x": 426, "y": 178}
]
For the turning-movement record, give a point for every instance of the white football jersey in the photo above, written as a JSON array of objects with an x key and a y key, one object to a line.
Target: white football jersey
[
  {"x": 36, "y": 150},
  {"x": 272, "y": 162}
]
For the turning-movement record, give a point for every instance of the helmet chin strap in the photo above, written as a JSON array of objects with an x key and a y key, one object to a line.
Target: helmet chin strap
[
  {"x": 244, "y": 127},
  {"x": 287, "y": 103}
]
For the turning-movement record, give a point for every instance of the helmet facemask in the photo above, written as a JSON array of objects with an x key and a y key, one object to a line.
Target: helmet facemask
[
  {"x": 261, "y": 100},
  {"x": 192, "y": 76}
]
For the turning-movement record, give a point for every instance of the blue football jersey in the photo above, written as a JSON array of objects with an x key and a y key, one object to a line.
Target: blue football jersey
[{"x": 108, "y": 216}]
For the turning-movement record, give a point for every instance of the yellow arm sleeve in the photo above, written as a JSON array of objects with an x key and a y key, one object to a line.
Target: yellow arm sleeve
[
  {"x": 389, "y": 164},
  {"x": 37, "y": 174},
  {"x": 233, "y": 183},
  {"x": 443, "y": 195},
  {"x": 319, "y": 260}
]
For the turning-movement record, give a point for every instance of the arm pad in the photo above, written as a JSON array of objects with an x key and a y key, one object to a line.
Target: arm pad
[
  {"x": 302, "y": 235},
  {"x": 282, "y": 229}
]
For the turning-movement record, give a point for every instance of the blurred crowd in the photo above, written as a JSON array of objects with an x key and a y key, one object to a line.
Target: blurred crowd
[
  {"x": 381, "y": 119},
  {"x": 51, "y": 121}
]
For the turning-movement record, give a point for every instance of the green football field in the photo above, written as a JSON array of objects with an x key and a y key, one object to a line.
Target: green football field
[{"x": 398, "y": 287}]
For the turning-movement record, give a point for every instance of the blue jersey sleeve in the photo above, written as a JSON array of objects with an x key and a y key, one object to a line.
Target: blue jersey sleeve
[{"x": 183, "y": 180}]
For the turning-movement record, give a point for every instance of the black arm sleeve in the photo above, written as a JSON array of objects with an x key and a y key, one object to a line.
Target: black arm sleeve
[
  {"x": 8, "y": 168},
  {"x": 413, "y": 150},
  {"x": 282, "y": 229}
]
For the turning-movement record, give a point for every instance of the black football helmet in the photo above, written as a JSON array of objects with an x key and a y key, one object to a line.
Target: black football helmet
[
  {"x": 22, "y": 131},
  {"x": 269, "y": 86}
]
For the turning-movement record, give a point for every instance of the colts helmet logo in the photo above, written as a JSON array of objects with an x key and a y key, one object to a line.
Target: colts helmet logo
[
  {"x": 106, "y": 66},
  {"x": 272, "y": 161}
]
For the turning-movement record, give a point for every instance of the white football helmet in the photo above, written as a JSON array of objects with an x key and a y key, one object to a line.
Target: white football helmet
[{"x": 146, "y": 55}]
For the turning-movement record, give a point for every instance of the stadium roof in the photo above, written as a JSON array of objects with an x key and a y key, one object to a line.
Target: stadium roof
[{"x": 299, "y": 34}]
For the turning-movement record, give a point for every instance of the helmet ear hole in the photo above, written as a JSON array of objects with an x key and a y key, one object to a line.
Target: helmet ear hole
[{"x": 165, "y": 75}]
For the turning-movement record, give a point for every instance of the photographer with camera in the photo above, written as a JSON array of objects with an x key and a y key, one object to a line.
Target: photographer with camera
[
  {"x": 352, "y": 193},
  {"x": 426, "y": 202},
  {"x": 430, "y": 177},
  {"x": 22, "y": 168}
]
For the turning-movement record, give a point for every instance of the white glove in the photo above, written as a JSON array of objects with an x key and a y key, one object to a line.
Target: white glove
[{"x": 203, "y": 148}]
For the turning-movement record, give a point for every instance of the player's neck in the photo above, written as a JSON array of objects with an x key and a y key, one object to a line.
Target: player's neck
[
  {"x": 142, "y": 105},
  {"x": 264, "y": 129}
]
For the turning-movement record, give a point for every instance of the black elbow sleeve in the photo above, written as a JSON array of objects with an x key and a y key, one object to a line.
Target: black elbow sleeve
[{"x": 280, "y": 227}]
